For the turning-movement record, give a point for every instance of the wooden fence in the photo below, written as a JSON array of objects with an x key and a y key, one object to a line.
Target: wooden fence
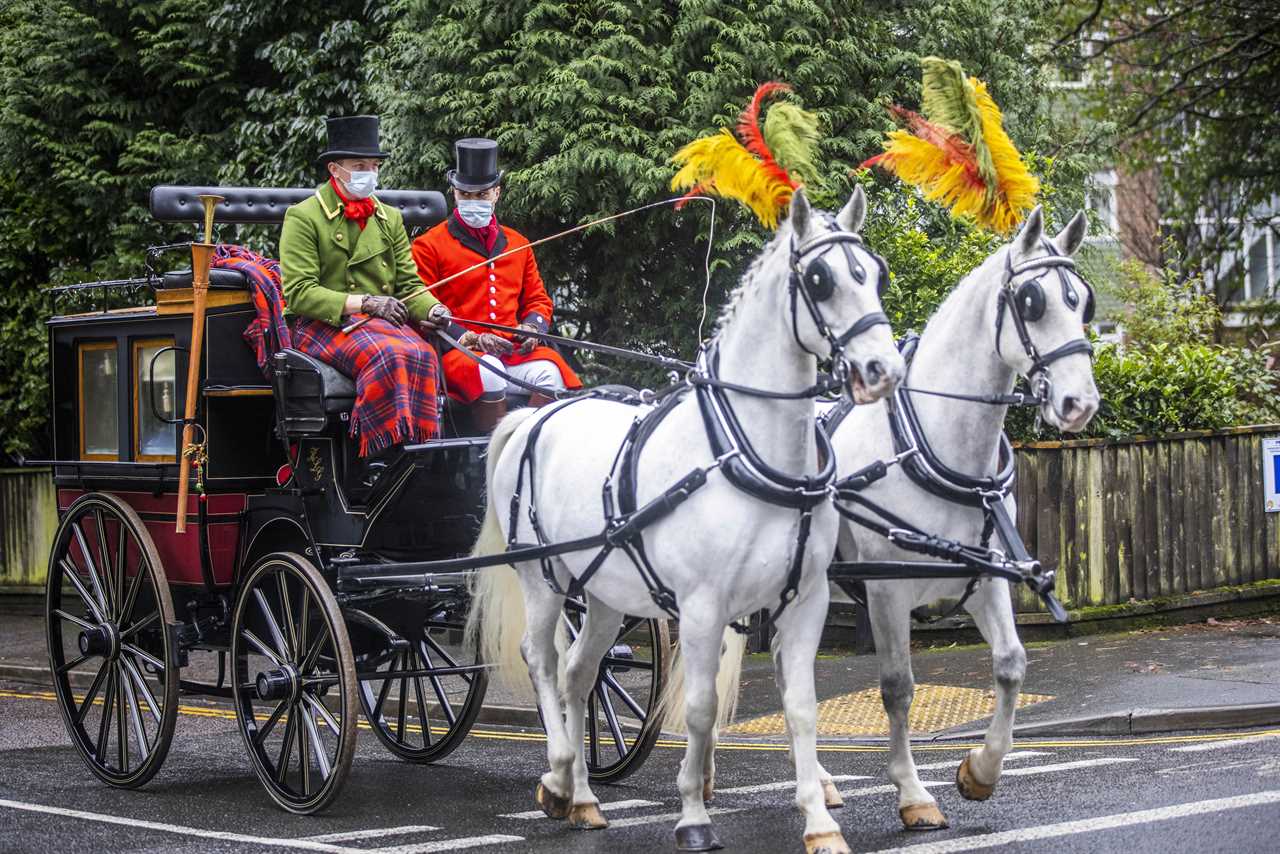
[
  {"x": 1119, "y": 520},
  {"x": 28, "y": 518},
  {"x": 1147, "y": 518}
]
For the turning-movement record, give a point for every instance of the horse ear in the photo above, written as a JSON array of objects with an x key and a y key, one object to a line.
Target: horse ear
[
  {"x": 800, "y": 213},
  {"x": 1028, "y": 240},
  {"x": 1071, "y": 237},
  {"x": 854, "y": 212}
]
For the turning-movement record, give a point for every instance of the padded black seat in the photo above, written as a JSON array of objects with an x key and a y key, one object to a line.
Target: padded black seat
[
  {"x": 220, "y": 278},
  {"x": 309, "y": 391}
]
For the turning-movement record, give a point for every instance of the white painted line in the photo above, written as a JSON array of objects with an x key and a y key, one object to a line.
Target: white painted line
[
  {"x": 1009, "y": 757},
  {"x": 1088, "y": 825},
  {"x": 786, "y": 784},
  {"x": 260, "y": 841},
  {"x": 447, "y": 844},
  {"x": 1218, "y": 745},
  {"x": 889, "y": 787},
  {"x": 1065, "y": 766},
  {"x": 372, "y": 833},
  {"x": 616, "y": 805},
  {"x": 667, "y": 816}
]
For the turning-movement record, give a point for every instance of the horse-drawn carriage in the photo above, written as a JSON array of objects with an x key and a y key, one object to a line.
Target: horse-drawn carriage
[{"x": 282, "y": 593}]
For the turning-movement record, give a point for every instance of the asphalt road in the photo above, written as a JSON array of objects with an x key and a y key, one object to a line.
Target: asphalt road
[{"x": 1198, "y": 792}]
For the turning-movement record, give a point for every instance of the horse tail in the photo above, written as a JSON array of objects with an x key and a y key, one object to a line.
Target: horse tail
[
  {"x": 732, "y": 647},
  {"x": 496, "y": 618}
]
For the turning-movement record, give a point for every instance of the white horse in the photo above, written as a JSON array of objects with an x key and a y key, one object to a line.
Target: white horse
[
  {"x": 1025, "y": 304},
  {"x": 723, "y": 553}
]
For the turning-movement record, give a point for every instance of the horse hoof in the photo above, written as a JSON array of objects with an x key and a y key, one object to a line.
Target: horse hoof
[
  {"x": 970, "y": 788},
  {"x": 831, "y": 795},
  {"x": 697, "y": 837},
  {"x": 708, "y": 792},
  {"x": 551, "y": 804},
  {"x": 587, "y": 817},
  {"x": 825, "y": 843},
  {"x": 922, "y": 817}
]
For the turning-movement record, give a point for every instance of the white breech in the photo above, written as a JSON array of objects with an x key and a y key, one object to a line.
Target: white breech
[{"x": 540, "y": 372}]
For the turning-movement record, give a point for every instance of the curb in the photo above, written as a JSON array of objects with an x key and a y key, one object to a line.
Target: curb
[
  {"x": 29, "y": 674},
  {"x": 1144, "y": 722}
]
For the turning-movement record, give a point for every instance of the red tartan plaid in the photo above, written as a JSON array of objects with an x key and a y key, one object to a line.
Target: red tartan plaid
[
  {"x": 266, "y": 333},
  {"x": 395, "y": 373}
]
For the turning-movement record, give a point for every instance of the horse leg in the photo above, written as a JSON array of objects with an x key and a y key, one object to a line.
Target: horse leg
[
  {"x": 890, "y": 625},
  {"x": 829, "y": 792},
  {"x": 599, "y": 630},
  {"x": 543, "y": 606},
  {"x": 992, "y": 610},
  {"x": 795, "y": 649},
  {"x": 700, "y": 649}
]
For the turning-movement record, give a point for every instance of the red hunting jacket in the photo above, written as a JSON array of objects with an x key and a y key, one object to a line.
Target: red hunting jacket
[{"x": 507, "y": 291}]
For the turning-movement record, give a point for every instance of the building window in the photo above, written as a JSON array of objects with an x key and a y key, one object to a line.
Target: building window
[
  {"x": 1100, "y": 199},
  {"x": 99, "y": 399},
  {"x": 153, "y": 439}
]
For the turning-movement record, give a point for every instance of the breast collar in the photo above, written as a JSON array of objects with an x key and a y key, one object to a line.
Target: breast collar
[
  {"x": 923, "y": 466},
  {"x": 739, "y": 461}
]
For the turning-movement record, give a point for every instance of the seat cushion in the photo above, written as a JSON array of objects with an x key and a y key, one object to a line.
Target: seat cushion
[
  {"x": 336, "y": 388},
  {"x": 219, "y": 277}
]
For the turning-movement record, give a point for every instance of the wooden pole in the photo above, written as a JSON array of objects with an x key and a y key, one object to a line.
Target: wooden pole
[{"x": 201, "y": 259}]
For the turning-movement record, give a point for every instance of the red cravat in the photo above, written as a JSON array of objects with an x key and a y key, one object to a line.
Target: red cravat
[
  {"x": 487, "y": 236},
  {"x": 357, "y": 209}
]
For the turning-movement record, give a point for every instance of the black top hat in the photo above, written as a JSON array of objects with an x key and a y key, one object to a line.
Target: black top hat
[
  {"x": 352, "y": 136},
  {"x": 477, "y": 165}
]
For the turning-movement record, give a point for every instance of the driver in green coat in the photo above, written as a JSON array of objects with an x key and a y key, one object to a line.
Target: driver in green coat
[{"x": 345, "y": 256}]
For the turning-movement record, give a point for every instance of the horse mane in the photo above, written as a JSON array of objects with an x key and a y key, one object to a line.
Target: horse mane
[
  {"x": 961, "y": 292},
  {"x": 750, "y": 279}
]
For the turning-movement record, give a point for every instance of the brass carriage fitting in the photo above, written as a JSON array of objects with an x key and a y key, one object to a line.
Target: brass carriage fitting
[{"x": 210, "y": 201}]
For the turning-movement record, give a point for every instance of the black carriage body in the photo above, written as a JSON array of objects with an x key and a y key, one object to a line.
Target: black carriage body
[{"x": 426, "y": 505}]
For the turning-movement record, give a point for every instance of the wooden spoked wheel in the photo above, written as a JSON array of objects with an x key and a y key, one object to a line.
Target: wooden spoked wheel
[
  {"x": 423, "y": 697},
  {"x": 623, "y": 720},
  {"x": 294, "y": 681},
  {"x": 108, "y": 612}
]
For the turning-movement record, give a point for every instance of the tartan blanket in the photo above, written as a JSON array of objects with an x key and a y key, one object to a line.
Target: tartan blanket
[
  {"x": 396, "y": 374},
  {"x": 267, "y": 333}
]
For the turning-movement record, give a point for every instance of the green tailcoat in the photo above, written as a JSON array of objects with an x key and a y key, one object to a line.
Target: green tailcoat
[{"x": 325, "y": 257}]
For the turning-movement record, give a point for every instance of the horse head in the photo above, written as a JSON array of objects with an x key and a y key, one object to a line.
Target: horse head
[
  {"x": 1042, "y": 303},
  {"x": 834, "y": 285}
]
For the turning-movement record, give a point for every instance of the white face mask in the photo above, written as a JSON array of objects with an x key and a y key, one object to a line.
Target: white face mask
[
  {"x": 475, "y": 212},
  {"x": 360, "y": 185}
]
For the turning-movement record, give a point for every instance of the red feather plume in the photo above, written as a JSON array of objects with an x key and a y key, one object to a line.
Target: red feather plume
[{"x": 752, "y": 136}]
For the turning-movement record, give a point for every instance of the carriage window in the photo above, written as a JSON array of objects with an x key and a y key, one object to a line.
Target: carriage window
[
  {"x": 154, "y": 440},
  {"x": 99, "y": 416}
]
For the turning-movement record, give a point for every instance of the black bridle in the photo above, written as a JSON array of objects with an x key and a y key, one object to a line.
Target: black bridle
[
  {"x": 815, "y": 285},
  {"x": 1008, "y": 299}
]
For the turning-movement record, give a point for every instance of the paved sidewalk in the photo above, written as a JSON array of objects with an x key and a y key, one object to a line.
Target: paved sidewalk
[{"x": 1221, "y": 673}]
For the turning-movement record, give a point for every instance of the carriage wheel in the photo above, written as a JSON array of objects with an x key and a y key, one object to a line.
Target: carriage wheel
[
  {"x": 294, "y": 681},
  {"x": 421, "y": 700},
  {"x": 623, "y": 722},
  {"x": 108, "y": 608}
]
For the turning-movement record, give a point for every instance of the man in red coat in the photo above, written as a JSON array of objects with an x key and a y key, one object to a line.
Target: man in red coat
[{"x": 506, "y": 290}]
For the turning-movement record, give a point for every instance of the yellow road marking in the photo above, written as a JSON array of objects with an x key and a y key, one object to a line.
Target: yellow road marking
[
  {"x": 227, "y": 714},
  {"x": 935, "y": 708}
]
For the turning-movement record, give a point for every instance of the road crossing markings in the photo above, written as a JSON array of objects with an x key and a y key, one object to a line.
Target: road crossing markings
[
  {"x": 260, "y": 841},
  {"x": 1218, "y": 745},
  {"x": 638, "y": 820},
  {"x": 785, "y": 784},
  {"x": 616, "y": 805},
  {"x": 1017, "y": 754},
  {"x": 1066, "y": 766},
  {"x": 447, "y": 844},
  {"x": 372, "y": 833},
  {"x": 1088, "y": 825},
  {"x": 884, "y": 788}
]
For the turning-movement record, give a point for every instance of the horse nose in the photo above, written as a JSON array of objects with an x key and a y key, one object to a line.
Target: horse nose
[
  {"x": 875, "y": 372},
  {"x": 1070, "y": 404}
]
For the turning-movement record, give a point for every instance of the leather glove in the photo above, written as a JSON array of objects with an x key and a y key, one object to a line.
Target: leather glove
[
  {"x": 388, "y": 308},
  {"x": 434, "y": 320},
  {"x": 495, "y": 344},
  {"x": 470, "y": 340},
  {"x": 526, "y": 344}
]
